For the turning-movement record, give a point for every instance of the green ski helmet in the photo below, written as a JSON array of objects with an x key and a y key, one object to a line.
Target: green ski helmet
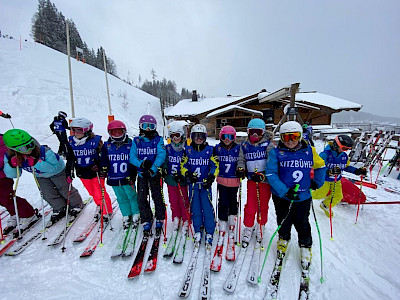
[{"x": 18, "y": 140}]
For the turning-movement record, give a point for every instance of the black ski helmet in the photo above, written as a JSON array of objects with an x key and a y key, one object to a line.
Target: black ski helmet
[
  {"x": 62, "y": 114},
  {"x": 344, "y": 142}
]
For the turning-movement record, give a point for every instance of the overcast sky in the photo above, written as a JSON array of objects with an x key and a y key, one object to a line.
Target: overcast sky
[{"x": 348, "y": 49}]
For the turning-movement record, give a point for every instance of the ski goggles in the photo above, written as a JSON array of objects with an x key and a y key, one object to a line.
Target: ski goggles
[
  {"x": 78, "y": 129},
  {"x": 291, "y": 136},
  {"x": 225, "y": 136},
  {"x": 255, "y": 131},
  {"x": 24, "y": 148},
  {"x": 145, "y": 126},
  {"x": 344, "y": 148},
  {"x": 117, "y": 132},
  {"x": 198, "y": 135},
  {"x": 175, "y": 135}
]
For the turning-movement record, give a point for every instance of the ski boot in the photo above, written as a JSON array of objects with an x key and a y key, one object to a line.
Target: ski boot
[
  {"x": 74, "y": 212},
  {"x": 306, "y": 256},
  {"x": 209, "y": 240},
  {"x": 11, "y": 224},
  {"x": 126, "y": 221},
  {"x": 282, "y": 247},
  {"x": 57, "y": 216},
  {"x": 146, "y": 228},
  {"x": 197, "y": 239},
  {"x": 247, "y": 232},
  {"x": 25, "y": 222}
]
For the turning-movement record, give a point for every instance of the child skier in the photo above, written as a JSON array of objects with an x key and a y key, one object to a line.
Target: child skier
[
  {"x": 84, "y": 158},
  {"x": 253, "y": 158},
  {"x": 148, "y": 154},
  {"x": 227, "y": 152},
  {"x": 26, "y": 153},
  {"x": 58, "y": 127},
  {"x": 176, "y": 183},
  {"x": 200, "y": 167},
  {"x": 336, "y": 161},
  {"x": 288, "y": 172},
  {"x": 121, "y": 175},
  {"x": 25, "y": 210}
]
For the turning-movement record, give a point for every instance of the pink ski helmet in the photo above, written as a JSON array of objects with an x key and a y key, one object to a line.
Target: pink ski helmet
[
  {"x": 228, "y": 129},
  {"x": 116, "y": 129}
]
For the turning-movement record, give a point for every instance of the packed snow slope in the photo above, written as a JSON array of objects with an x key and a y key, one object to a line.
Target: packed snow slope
[{"x": 362, "y": 262}]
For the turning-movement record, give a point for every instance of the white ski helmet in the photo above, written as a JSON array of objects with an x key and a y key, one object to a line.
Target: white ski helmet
[
  {"x": 175, "y": 127},
  {"x": 198, "y": 128},
  {"x": 82, "y": 123},
  {"x": 290, "y": 126}
]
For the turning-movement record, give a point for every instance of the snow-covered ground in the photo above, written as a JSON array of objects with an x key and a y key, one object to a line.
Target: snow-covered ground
[{"x": 362, "y": 262}]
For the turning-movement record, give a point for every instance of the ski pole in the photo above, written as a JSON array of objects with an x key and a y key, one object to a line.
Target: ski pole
[
  {"x": 259, "y": 211},
  {"x": 320, "y": 242},
  {"x": 330, "y": 206},
  {"x": 273, "y": 235},
  {"x": 359, "y": 197},
  {"x": 239, "y": 219},
  {"x": 11, "y": 123},
  {"x": 41, "y": 195},
  {"x": 66, "y": 216},
  {"x": 216, "y": 211},
  {"x": 186, "y": 211},
  {"x": 166, "y": 214},
  {"x": 15, "y": 202},
  {"x": 1, "y": 232},
  {"x": 103, "y": 204},
  {"x": 209, "y": 195},
  {"x": 380, "y": 168}
]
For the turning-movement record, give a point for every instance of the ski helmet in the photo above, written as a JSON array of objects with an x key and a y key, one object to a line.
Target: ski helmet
[
  {"x": 344, "y": 142},
  {"x": 62, "y": 114},
  {"x": 83, "y": 124},
  {"x": 290, "y": 127},
  {"x": 147, "y": 122},
  {"x": 116, "y": 129},
  {"x": 175, "y": 127},
  {"x": 228, "y": 129},
  {"x": 198, "y": 131},
  {"x": 256, "y": 124},
  {"x": 18, "y": 140}
]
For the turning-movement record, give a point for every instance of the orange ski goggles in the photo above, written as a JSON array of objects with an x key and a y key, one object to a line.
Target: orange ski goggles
[{"x": 291, "y": 136}]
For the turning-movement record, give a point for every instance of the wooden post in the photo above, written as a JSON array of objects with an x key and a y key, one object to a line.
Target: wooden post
[
  {"x": 108, "y": 91},
  {"x": 71, "y": 92}
]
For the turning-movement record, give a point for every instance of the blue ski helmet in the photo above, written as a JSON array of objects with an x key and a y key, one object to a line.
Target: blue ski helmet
[{"x": 256, "y": 124}]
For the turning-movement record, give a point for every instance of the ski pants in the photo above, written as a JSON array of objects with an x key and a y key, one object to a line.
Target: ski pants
[
  {"x": 202, "y": 208},
  {"x": 55, "y": 192},
  {"x": 62, "y": 138},
  {"x": 335, "y": 189},
  {"x": 94, "y": 190},
  {"x": 127, "y": 199},
  {"x": 297, "y": 216},
  {"x": 153, "y": 184},
  {"x": 179, "y": 201},
  {"x": 25, "y": 210},
  {"x": 227, "y": 202},
  {"x": 252, "y": 206}
]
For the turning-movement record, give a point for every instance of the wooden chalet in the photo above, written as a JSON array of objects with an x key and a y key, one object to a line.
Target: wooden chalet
[{"x": 214, "y": 113}]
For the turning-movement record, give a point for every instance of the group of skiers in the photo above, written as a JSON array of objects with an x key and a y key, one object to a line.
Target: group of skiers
[{"x": 291, "y": 171}]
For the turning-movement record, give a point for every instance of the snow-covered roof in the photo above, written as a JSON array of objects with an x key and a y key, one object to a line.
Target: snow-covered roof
[
  {"x": 319, "y": 99},
  {"x": 187, "y": 107},
  {"x": 232, "y": 107}
]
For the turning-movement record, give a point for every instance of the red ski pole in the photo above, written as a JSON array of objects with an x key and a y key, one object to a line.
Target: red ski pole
[
  {"x": 187, "y": 213},
  {"x": 359, "y": 197}
]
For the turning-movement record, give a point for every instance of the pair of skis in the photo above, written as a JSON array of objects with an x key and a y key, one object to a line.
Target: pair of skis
[
  {"x": 151, "y": 264},
  {"x": 205, "y": 283},
  {"x": 126, "y": 241},
  {"x": 177, "y": 245}
]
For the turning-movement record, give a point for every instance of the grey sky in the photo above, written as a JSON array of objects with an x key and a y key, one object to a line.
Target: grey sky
[{"x": 347, "y": 49}]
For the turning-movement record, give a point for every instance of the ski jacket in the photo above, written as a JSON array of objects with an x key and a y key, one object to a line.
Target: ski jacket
[
  {"x": 115, "y": 159},
  {"x": 228, "y": 159},
  {"x": 83, "y": 158},
  {"x": 333, "y": 159},
  {"x": 144, "y": 148},
  {"x": 48, "y": 164},
  {"x": 287, "y": 167},
  {"x": 3, "y": 150},
  {"x": 200, "y": 160},
  {"x": 254, "y": 156},
  {"x": 59, "y": 124},
  {"x": 172, "y": 163}
]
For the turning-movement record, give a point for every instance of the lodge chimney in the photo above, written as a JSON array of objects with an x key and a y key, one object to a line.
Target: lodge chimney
[{"x": 194, "y": 96}]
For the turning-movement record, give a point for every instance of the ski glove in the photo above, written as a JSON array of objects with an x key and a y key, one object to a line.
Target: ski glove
[
  {"x": 313, "y": 185},
  {"x": 146, "y": 164},
  {"x": 163, "y": 172},
  {"x": 7, "y": 116},
  {"x": 69, "y": 179},
  {"x": 361, "y": 171},
  {"x": 207, "y": 183},
  {"x": 240, "y": 173},
  {"x": 179, "y": 178},
  {"x": 258, "y": 177},
  {"x": 147, "y": 174},
  {"x": 292, "y": 194},
  {"x": 191, "y": 176}
]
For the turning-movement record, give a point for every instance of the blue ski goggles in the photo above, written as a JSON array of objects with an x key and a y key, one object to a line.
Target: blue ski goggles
[
  {"x": 145, "y": 126},
  {"x": 225, "y": 136}
]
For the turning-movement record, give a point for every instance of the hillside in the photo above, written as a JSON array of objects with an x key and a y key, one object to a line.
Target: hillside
[{"x": 352, "y": 116}]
